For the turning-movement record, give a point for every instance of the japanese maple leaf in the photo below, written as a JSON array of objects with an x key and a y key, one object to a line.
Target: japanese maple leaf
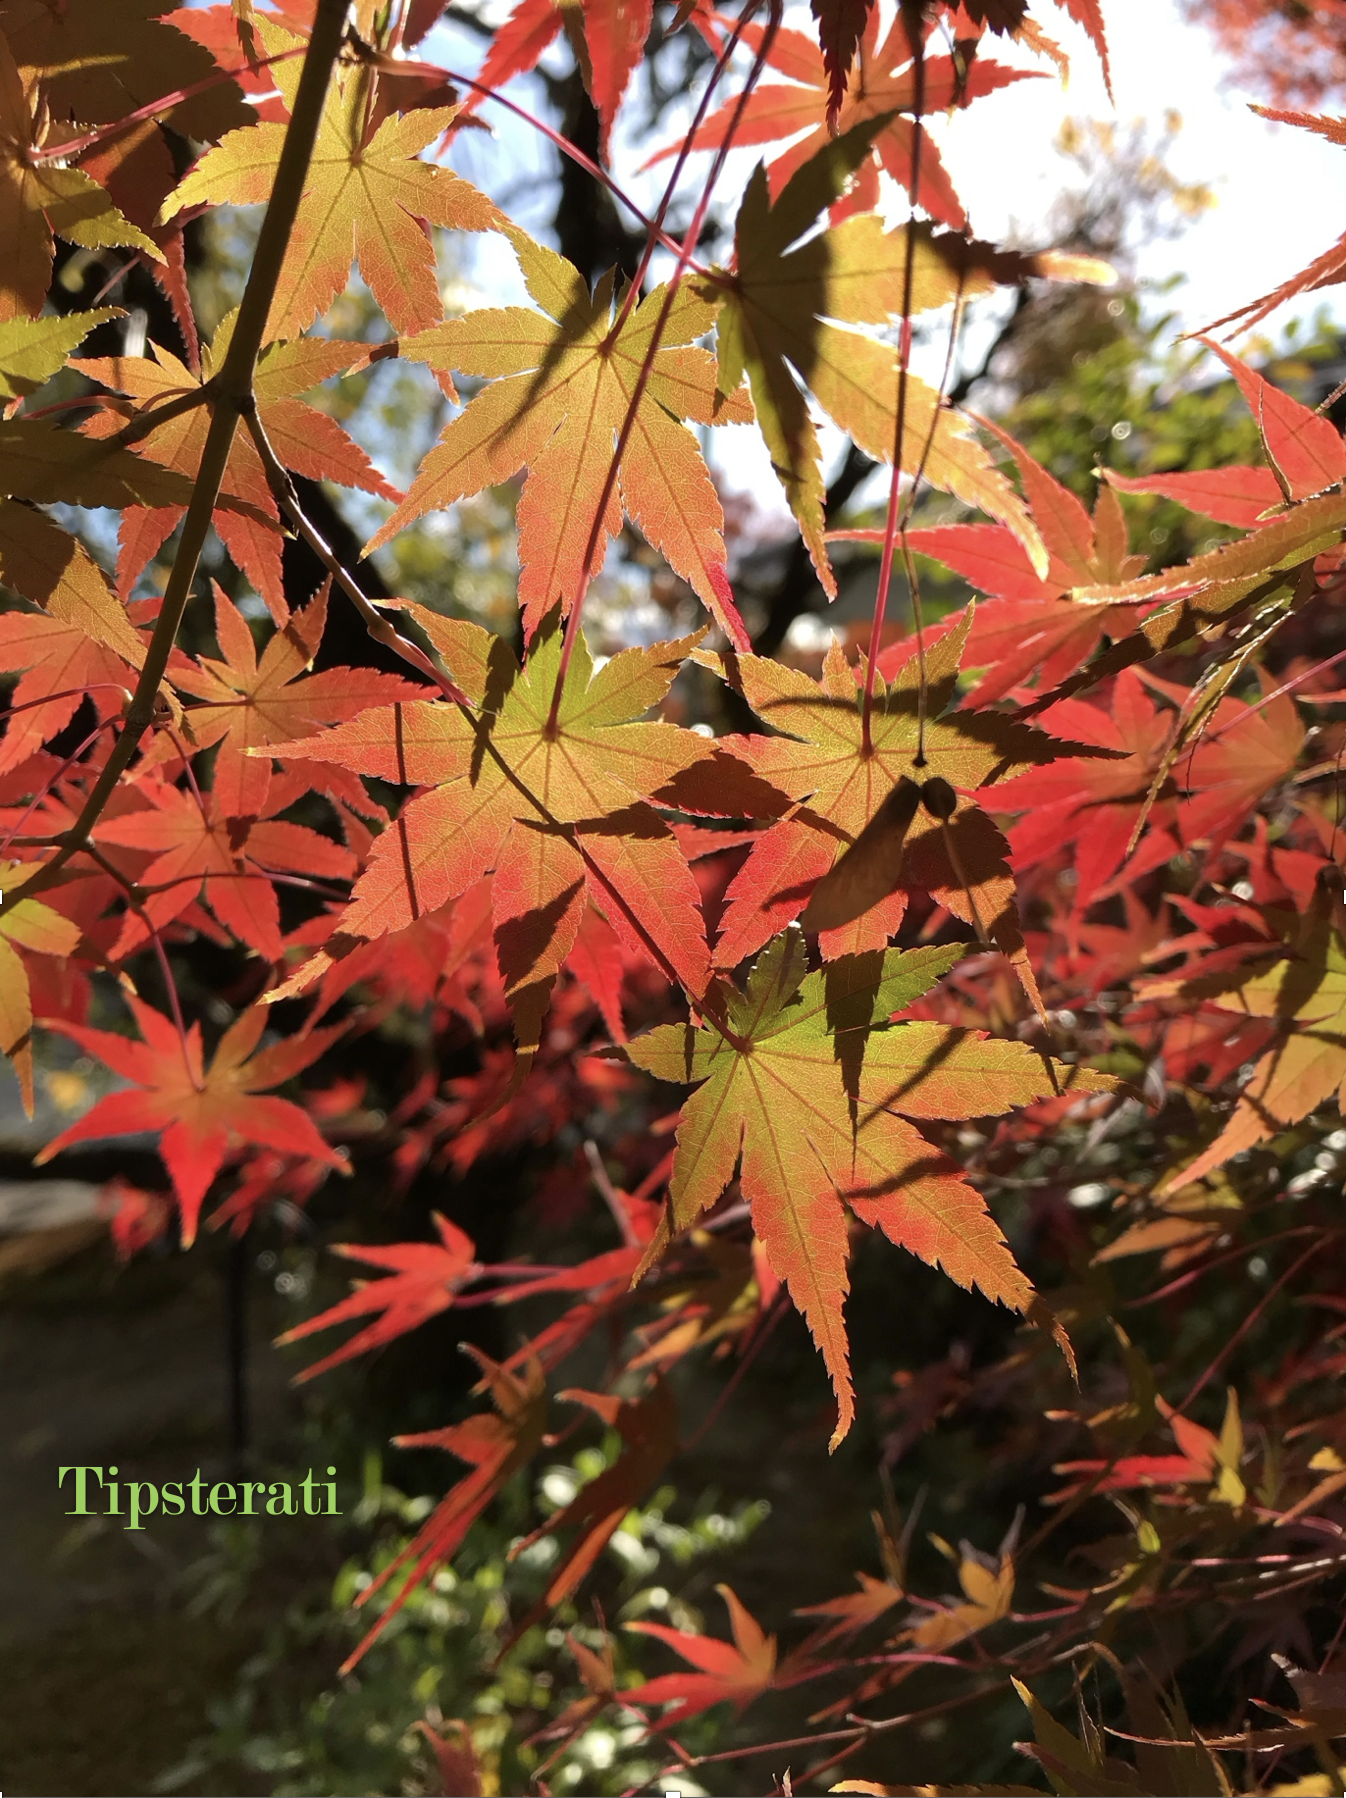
[
  {"x": 196, "y": 851},
  {"x": 43, "y": 200},
  {"x": 1237, "y": 495},
  {"x": 566, "y": 378},
  {"x": 201, "y": 1111},
  {"x": 1240, "y": 757},
  {"x": 733, "y": 1673},
  {"x": 96, "y": 63},
  {"x": 1093, "y": 804},
  {"x": 852, "y": 1611},
  {"x": 61, "y": 665},
  {"x": 32, "y": 350},
  {"x": 1204, "y": 1457},
  {"x": 822, "y": 763},
  {"x": 648, "y": 1427},
  {"x": 1304, "y": 450},
  {"x": 425, "y": 1277},
  {"x": 46, "y": 466},
  {"x": 843, "y": 25},
  {"x": 881, "y": 88},
  {"x": 494, "y": 1448},
  {"x": 1035, "y": 625},
  {"x": 251, "y": 703},
  {"x": 29, "y": 925},
  {"x": 1305, "y": 995},
  {"x": 304, "y": 439},
  {"x": 555, "y": 816},
  {"x": 803, "y": 1078},
  {"x": 988, "y": 1594},
  {"x": 778, "y": 307},
  {"x": 614, "y": 37},
  {"x": 368, "y": 200}
]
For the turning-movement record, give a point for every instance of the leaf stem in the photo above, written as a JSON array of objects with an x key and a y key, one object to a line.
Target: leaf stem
[
  {"x": 232, "y": 393},
  {"x": 379, "y": 627}
]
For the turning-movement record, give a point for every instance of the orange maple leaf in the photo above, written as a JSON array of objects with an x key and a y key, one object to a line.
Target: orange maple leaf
[
  {"x": 566, "y": 379},
  {"x": 200, "y": 1110},
  {"x": 367, "y": 196}
]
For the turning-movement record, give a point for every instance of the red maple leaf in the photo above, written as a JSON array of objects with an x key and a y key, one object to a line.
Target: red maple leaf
[
  {"x": 649, "y": 1429},
  {"x": 226, "y": 861},
  {"x": 251, "y": 702},
  {"x": 306, "y": 440},
  {"x": 823, "y": 101},
  {"x": 494, "y": 1447},
  {"x": 425, "y": 1279},
  {"x": 202, "y": 1111},
  {"x": 727, "y": 1672},
  {"x": 1035, "y": 626},
  {"x": 61, "y": 665}
]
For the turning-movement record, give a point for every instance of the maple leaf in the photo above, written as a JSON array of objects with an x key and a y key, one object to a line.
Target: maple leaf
[
  {"x": 822, "y": 762},
  {"x": 304, "y": 439},
  {"x": 46, "y": 466},
  {"x": 988, "y": 1588},
  {"x": 29, "y": 925},
  {"x": 566, "y": 377},
  {"x": 1236, "y": 495},
  {"x": 41, "y": 200},
  {"x": 1304, "y": 449},
  {"x": 733, "y": 1673},
  {"x": 368, "y": 200},
  {"x": 33, "y": 349},
  {"x": 1240, "y": 756},
  {"x": 201, "y": 1111},
  {"x": 459, "y": 1768},
  {"x": 1305, "y": 994},
  {"x": 648, "y": 1427},
  {"x": 251, "y": 703},
  {"x": 803, "y": 1076},
  {"x": 62, "y": 665},
  {"x": 881, "y": 91},
  {"x": 852, "y": 1611},
  {"x": 608, "y": 51},
  {"x": 425, "y": 1279},
  {"x": 1035, "y": 626},
  {"x": 196, "y": 850},
  {"x": 777, "y": 308},
  {"x": 1092, "y": 804},
  {"x": 494, "y": 1448},
  {"x": 96, "y": 63},
  {"x": 553, "y": 815}
]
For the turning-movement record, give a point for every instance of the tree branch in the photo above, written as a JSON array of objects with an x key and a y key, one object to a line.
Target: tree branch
[{"x": 231, "y": 396}]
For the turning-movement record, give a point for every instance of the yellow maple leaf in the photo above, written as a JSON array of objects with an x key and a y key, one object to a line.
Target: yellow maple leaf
[{"x": 372, "y": 200}]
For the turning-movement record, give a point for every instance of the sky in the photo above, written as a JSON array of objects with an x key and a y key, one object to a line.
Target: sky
[{"x": 1280, "y": 191}]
